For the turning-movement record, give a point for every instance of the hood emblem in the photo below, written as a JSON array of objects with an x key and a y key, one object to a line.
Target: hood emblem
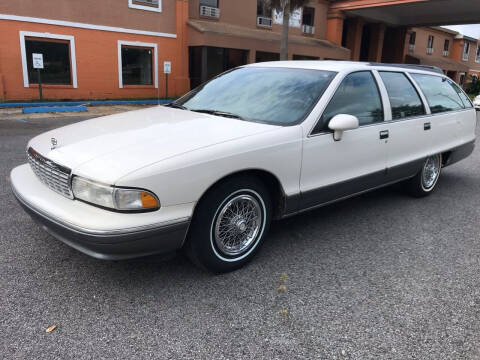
[{"x": 54, "y": 143}]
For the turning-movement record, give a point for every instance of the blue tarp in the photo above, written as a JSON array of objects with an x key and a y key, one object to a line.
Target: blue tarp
[{"x": 86, "y": 103}]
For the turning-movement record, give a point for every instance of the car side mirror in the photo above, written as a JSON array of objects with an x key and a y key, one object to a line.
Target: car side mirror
[{"x": 340, "y": 123}]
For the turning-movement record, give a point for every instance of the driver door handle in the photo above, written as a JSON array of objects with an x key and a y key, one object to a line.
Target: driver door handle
[{"x": 384, "y": 134}]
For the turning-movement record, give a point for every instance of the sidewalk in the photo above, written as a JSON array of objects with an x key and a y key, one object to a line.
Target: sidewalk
[{"x": 16, "y": 113}]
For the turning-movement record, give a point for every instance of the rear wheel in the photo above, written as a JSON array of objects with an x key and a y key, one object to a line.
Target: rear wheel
[
  {"x": 229, "y": 224},
  {"x": 425, "y": 181}
]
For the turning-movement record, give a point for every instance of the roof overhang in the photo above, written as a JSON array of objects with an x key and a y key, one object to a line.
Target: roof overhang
[
  {"x": 443, "y": 63},
  {"x": 412, "y": 12}
]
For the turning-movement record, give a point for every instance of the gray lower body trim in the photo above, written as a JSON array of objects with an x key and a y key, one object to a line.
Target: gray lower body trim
[
  {"x": 332, "y": 193},
  {"x": 115, "y": 245}
]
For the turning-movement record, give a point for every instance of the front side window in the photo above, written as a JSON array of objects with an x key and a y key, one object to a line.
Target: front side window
[
  {"x": 137, "y": 65},
  {"x": 357, "y": 95},
  {"x": 441, "y": 95},
  {"x": 404, "y": 99},
  {"x": 278, "y": 96},
  {"x": 56, "y": 61}
]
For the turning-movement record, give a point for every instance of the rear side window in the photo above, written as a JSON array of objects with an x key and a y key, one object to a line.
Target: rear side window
[
  {"x": 440, "y": 94},
  {"x": 404, "y": 99},
  {"x": 357, "y": 95},
  {"x": 466, "y": 101}
]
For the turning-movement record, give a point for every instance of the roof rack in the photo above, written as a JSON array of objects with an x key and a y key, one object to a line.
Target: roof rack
[{"x": 434, "y": 69}]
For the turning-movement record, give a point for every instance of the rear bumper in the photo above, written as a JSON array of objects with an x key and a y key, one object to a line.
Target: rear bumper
[
  {"x": 106, "y": 243},
  {"x": 460, "y": 153}
]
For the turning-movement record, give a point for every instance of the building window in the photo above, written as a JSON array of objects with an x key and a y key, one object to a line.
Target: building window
[
  {"x": 466, "y": 51},
  {"x": 264, "y": 13},
  {"x": 148, "y": 5},
  {"x": 446, "y": 47},
  {"x": 430, "y": 44},
  {"x": 209, "y": 8},
  {"x": 58, "y": 58},
  {"x": 308, "y": 20},
  {"x": 56, "y": 61},
  {"x": 411, "y": 41},
  {"x": 137, "y": 63},
  {"x": 477, "y": 55}
]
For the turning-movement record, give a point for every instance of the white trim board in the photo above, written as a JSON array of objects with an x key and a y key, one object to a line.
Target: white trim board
[
  {"x": 145, "y": 7},
  {"x": 139, "y": 44},
  {"x": 84, "y": 26},
  {"x": 23, "y": 53}
]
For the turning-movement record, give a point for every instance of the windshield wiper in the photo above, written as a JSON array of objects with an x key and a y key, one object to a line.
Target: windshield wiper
[
  {"x": 176, "y": 106},
  {"x": 218, "y": 113}
]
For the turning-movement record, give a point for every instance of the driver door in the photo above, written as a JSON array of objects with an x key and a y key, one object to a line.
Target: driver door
[{"x": 332, "y": 169}]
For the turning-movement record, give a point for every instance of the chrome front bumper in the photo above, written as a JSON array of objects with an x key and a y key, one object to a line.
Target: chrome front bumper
[{"x": 104, "y": 244}]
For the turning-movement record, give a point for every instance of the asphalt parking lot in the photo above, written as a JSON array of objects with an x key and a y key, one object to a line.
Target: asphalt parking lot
[{"x": 380, "y": 276}]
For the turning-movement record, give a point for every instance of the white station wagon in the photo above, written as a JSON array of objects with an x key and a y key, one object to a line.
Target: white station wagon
[{"x": 208, "y": 173}]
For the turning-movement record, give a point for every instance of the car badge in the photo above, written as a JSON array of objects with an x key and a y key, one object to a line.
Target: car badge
[{"x": 54, "y": 143}]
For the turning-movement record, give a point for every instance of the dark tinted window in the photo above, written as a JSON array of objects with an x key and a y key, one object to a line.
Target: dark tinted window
[
  {"x": 279, "y": 96},
  {"x": 440, "y": 94},
  {"x": 56, "y": 61},
  {"x": 404, "y": 99},
  {"x": 357, "y": 95},
  {"x": 137, "y": 66}
]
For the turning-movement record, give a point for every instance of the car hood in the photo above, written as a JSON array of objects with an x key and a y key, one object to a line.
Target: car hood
[{"x": 110, "y": 147}]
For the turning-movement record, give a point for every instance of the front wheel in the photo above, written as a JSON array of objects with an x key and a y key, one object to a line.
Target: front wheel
[
  {"x": 229, "y": 224},
  {"x": 426, "y": 180}
]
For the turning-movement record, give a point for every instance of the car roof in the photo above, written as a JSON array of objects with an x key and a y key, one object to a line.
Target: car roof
[{"x": 348, "y": 66}]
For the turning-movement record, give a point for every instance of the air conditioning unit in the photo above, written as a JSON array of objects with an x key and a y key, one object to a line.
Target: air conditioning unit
[
  {"x": 264, "y": 21},
  {"x": 308, "y": 29},
  {"x": 209, "y": 11},
  {"x": 411, "y": 47},
  {"x": 446, "y": 52}
]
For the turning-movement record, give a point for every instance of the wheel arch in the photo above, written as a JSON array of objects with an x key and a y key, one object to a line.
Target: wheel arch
[{"x": 270, "y": 180}]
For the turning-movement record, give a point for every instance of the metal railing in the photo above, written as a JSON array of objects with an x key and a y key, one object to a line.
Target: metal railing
[
  {"x": 210, "y": 11},
  {"x": 264, "y": 21},
  {"x": 429, "y": 51},
  {"x": 308, "y": 29}
]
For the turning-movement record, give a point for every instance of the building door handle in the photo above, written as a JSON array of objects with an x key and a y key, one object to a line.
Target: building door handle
[
  {"x": 427, "y": 126},
  {"x": 384, "y": 134}
]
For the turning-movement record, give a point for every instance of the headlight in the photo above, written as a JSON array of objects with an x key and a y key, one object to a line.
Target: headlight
[{"x": 122, "y": 199}]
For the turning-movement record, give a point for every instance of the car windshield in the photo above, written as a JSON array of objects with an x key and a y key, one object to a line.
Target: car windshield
[{"x": 278, "y": 96}]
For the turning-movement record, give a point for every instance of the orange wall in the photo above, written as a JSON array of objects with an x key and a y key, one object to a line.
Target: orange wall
[{"x": 97, "y": 62}]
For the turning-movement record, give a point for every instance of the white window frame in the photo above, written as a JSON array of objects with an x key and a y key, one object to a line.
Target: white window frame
[
  {"x": 23, "y": 52},
  {"x": 138, "y": 44},
  {"x": 145, "y": 7}
]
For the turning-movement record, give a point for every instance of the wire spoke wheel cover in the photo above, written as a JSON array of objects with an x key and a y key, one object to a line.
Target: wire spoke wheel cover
[
  {"x": 238, "y": 224},
  {"x": 431, "y": 172}
]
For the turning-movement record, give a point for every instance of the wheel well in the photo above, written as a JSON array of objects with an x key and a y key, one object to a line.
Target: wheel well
[
  {"x": 446, "y": 158},
  {"x": 268, "y": 179}
]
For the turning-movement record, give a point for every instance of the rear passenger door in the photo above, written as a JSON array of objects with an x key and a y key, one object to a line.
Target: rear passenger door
[
  {"x": 410, "y": 137},
  {"x": 335, "y": 169}
]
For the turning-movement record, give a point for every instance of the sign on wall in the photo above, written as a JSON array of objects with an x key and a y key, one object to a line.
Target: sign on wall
[
  {"x": 295, "y": 18},
  {"x": 37, "y": 61},
  {"x": 167, "y": 67}
]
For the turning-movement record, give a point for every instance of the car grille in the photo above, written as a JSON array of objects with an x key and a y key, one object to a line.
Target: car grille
[{"x": 55, "y": 176}]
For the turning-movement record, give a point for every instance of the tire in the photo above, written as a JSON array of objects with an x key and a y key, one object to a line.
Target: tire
[
  {"x": 229, "y": 224},
  {"x": 424, "y": 183}
]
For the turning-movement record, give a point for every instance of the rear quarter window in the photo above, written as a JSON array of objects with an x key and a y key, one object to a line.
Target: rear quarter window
[{"x": 440, "y": 93}]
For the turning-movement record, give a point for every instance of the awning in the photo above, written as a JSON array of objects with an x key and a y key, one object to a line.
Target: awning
[
  {"x": 229, "y": 30},
  {"x": 444, "y": 63}
]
